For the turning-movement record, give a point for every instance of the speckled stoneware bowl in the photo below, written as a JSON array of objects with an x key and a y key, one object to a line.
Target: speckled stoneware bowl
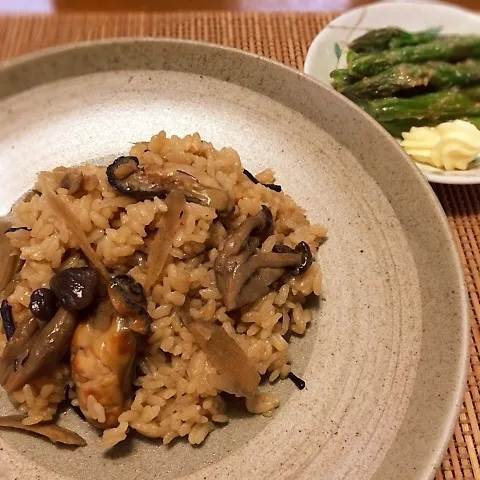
[{"x": 385, "y": 358}]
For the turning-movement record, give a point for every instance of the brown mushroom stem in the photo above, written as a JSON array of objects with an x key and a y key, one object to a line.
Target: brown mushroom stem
[
  {"x": 256, "y": 287},
  {"x": 256, "y": 227},
  {"x": 44, "y": 350},
  {"x": 269, "y": 259},
  {"x": 244, "y": 276},
  {"x": 239, "y": 247},
  {"x": 16, "y": 348}
]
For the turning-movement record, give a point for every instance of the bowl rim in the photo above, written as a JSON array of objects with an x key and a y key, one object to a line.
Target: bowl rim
[{"x": 457, "y": 391}]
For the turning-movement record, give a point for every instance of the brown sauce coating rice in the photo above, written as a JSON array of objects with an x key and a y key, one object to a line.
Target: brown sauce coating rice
[{"x": 178, "y": 391}]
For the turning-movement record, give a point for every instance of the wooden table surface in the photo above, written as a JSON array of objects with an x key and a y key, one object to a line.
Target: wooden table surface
[
  {"x": 284, "y": 37},
  {"x": 50, "y": 6}
]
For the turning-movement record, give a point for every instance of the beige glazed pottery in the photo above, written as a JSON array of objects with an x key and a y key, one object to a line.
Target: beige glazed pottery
[{"x": 385, "y": 357}]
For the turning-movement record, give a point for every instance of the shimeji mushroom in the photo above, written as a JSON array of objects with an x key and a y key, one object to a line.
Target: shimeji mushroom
[
  {"x": 243, "y": 275},
  {"x": 40, "y": 352},
  {"x": 127, "y": 177}
]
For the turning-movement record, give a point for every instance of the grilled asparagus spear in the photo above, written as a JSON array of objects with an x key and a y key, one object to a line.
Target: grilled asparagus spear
[
  {"x": 449, "y": 103},
  {"x": 438, "y": 75},
  {"x": 448, "y": 48},
  {"x": 390, "y": 37},
  {"x": 341, "y": 78}
]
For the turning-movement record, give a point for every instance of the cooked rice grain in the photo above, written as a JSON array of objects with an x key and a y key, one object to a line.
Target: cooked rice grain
[{"x": 178, "y": 392}]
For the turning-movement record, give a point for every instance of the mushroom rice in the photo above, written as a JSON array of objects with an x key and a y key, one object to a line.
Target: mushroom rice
[{"x": 143, "y": 291}]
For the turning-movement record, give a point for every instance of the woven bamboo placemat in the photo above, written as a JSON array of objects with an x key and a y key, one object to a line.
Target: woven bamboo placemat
[{"x": 284, "y": 37}]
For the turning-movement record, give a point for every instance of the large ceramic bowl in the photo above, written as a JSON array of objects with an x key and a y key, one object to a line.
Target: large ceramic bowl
[{"x": 385, "y": 357}]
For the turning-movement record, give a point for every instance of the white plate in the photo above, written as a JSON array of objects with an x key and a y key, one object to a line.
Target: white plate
[{"x": 322, "y": 56}]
